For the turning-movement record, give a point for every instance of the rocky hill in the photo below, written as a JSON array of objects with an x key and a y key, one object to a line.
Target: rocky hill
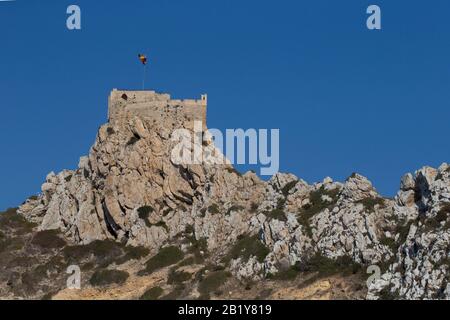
[{"x": 140, "y": 226}]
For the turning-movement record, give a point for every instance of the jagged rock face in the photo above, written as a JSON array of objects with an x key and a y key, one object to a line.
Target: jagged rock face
[
  {"x": 421, "y": 266},
  {"x": 327, "y": 218},
  {"x": 351, "y": 226},
  {"x": 129, "y": 189},
  {"x": 130, "y": 167}
]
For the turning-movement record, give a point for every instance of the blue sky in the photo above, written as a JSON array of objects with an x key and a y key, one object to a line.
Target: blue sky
[{"x": 345, "y": 99}]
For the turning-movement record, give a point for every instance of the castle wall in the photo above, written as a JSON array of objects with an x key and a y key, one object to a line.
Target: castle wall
[{"x": 156, "y": 107}]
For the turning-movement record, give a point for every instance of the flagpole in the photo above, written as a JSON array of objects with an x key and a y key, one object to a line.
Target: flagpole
[{"x": 143, "y": 79}]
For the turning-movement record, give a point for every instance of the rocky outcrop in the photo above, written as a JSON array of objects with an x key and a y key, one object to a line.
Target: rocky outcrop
[
  {"x": 130, "y": 190},
  {"x": 420, "y": 268}
]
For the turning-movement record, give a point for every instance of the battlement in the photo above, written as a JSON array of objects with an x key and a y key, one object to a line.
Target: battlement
[{"x": 155, "y": 106}]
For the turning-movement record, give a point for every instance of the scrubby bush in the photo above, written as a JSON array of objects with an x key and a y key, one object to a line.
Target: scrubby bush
[
  {"x": 104, "y": 251},
  {"x": 48, "y": 239},
  {"x": 441, "y": 216},
  {"x": 165, "y": 257},
  {"x": 387, "y": 241},
  {"x": 144, "y": 214},
  {"x": 288, "y": 187},
  {"x": 176, "y": 277},
  {"x": 212, "y": 282},
  {"x": 246, "y": 247},
  {"x": 387, "y": 294},
  {"x": 316, "y": 204},
  {"x": 133, "y": 253},
  {"x": 253, "y": 207},
  {"x": 152, "y": 293},
  {"x": 277, "y": 214},
  {"x": 370, "y": 203},
  {"x": 287, "y": 274},
  {"x": 214, "y": 208},
  {"x": 326, "y": 266},
  {"x": 4, "y": 243},
  {"x": 12, "y": 244},
  {"x": 133, "y": 140},
  {"x": 12, "y": 221},
  {"x": 108, "y": 277},
  {"x": 110, "y": 131}
]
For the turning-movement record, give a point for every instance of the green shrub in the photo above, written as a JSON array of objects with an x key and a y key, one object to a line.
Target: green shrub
[
  {"x": 104, "y": 251},
  {"x": 189, "y": 229},
  {"x": 136, "y": 252},
  {"x": 11, "y": 220},
  {"x": 212, "y": 282},
  {"x": 110, "y": 131},
  {"x": 281, "y": 203},
  {"x": 315, "y": 206},
  {"x": 133, "y": 253},
  {"x": 144, "y": 213},
  {"x": 327, "y": 267},
  {"x": 387, "y": 294},
  {"x": 402, "y": 229},
  {"x": 214, "y": 208},
  {"x": 4, "y": 242},
  {"x": 253, "y": 207},
  {"x": 389, "y": 242},
  {"x": 48, "y": 296},
  {"x": 370, "y": 203},
  {"x": 48, "y": 239},
  {"x": 12, "y": 244},
  {"x": 108, "y": 277},
  {"x": 277, "y": 214},
  {"x": 442, "y": 215},
  {"x": 176, "y": 277},
  {"x": 288, "y": 187},
  {"x": 165, "y": 257},
  {"x": 152, "y": 293},
  {"x": 31, "y": 279},
  {"x": 283, "y": 275},
  {"x": 246, "y": 247},
  {"x": 133, "y": 140}
]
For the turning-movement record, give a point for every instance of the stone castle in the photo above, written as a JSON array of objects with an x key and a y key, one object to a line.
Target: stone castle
[{"x": 156, "y": 107}]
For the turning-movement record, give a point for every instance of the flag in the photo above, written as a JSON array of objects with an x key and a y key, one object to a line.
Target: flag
[{"x": 142, "y": 58}]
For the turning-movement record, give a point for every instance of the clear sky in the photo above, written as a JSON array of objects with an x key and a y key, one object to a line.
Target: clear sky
[{"x": 345, "y": 99}]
